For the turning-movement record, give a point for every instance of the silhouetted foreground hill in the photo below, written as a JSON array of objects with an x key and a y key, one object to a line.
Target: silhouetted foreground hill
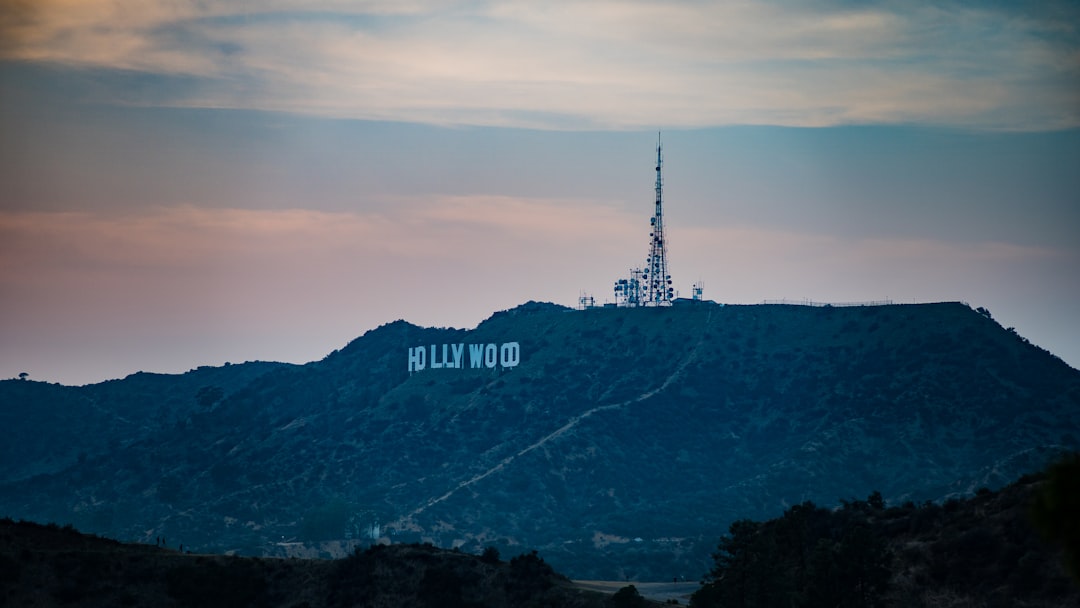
[
  {"x": 51, "y": 566},
  {"x": 621, "y": 445},
  {"x": 983, "y": 551},
  {"x": 980, "y": 551}
]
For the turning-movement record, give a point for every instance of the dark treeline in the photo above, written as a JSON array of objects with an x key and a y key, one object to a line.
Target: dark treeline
[
  {"x": 50, "y": 565},
  {"x": 808, "y": 557},
  {"x": 1003, "y": 548}
]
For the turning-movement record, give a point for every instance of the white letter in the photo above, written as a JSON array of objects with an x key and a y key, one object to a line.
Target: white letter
[
  {"x": 459, "y": 350},
  {"x": 491, "y": 355},
  {"x": 476, "y": 355},
  {"x": 510, "y": 354},
  {"x": 434, "y": 365},
  {"x": 417, "y": 358}
]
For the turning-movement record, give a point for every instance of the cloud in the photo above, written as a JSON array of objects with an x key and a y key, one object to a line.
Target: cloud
[{"x": 596, "y": 64}]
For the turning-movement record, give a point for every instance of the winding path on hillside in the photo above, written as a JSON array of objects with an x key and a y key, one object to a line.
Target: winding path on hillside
[{"x": 502, "y": 464}]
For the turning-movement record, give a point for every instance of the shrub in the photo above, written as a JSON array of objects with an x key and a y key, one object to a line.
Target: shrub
[
  {"x": 627, "y": 597},
  {"x": 490, "y": 556}
]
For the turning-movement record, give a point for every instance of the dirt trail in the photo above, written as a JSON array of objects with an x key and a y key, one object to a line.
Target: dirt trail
[{"x": 560, "y": 431}]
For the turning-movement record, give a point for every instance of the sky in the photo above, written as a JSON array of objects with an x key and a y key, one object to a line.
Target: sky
[{"x": 187, "y": 183}]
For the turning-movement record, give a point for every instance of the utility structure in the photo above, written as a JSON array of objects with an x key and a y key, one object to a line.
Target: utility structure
[
  {"x": 651, "y": 285},
  {"x": 630, "y": 292},
  {"x": 658, "y": 289}
]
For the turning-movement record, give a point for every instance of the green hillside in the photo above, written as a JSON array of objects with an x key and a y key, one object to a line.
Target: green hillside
[{"x": 622, "y": 445}]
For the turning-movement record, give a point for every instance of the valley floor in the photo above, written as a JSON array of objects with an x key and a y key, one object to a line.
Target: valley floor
[{"x": 657, "y": 592}]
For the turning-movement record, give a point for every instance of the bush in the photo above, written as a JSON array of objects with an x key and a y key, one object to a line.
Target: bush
[
  {"x": 10, "y": 569},
  {"x": 529, "y": 576},
  {"x": 490, "y": 556},
  {"x": 1055, "y": 508},
  {"x": 627, "y": 597},
  {"x": 214, "y": 585}
]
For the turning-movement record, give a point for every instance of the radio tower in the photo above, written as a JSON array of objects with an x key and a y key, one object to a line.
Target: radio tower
[{"x": 658, "y": 289}]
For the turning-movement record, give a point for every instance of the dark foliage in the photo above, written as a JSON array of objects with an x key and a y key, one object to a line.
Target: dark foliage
[
  {"x": 74, "y": 569},
  {"x": 213, "y": 585},
  {"x": 1056, "y": 509},
  {"x": 530, "y": 576},
  {"x": 627, "y": 597},
  {"x": 490, "y": 555},
  {"x": 976, "y": 551},
  {"x": 808, "y": 557}
]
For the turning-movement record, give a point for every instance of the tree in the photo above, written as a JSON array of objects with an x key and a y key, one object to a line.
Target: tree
[
  {"x": 809, "y": 557},
  {"x": 23, "y": 375},
  {"x": 490, "y": 556},
  {"x": 748, "y": 570},
  {"x": 627, "y": 597},
  {"x": 1055, "y": 507},
  {"x": 876, "y": 501},
  {"x": 530, "y": 576},
  {"x": 850, "y": 572}
]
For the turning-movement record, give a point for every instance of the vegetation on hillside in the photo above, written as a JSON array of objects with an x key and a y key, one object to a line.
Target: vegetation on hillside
[
  {"x": 983, "y": 551},
  {"x": 48, "y": 565},
  {"x": 621, "y": 447},
  {"x": 1056, "y": 510},
  {"x": 980, "y": 551}
]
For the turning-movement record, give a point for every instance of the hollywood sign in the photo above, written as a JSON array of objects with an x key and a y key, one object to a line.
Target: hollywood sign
[{"x": 481, "y": 356}]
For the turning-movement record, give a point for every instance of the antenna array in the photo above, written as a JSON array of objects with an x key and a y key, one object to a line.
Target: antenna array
[
  {"x": 651, "y": 285},
  {"x": 658, "y": 289}
]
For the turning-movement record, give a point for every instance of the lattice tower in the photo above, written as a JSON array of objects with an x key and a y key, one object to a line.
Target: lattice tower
[{"x": 658, "y": 288}]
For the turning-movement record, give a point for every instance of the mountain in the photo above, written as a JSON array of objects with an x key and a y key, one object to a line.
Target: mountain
[
  {"x": 618, "y": 442},
  {"x": 56, "y": 425}
]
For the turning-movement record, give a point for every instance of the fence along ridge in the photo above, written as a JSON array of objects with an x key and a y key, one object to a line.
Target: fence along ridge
[{"x": 807, "y": 302}]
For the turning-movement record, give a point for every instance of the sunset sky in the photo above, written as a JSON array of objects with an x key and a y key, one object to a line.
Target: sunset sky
[{"x": 186, "y": 183}]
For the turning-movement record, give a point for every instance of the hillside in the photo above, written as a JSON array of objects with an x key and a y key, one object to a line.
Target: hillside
[
  {"x": 972, "y": 552},
  {"x": 57, "y": 426},
  {"x": 982, "y": 551},
  {"x": 49, "y": 566},
  {"x": 621, "y": 446}
]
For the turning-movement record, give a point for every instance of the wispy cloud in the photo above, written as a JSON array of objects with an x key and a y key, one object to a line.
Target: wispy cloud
[{"x": 595, "y": 64}]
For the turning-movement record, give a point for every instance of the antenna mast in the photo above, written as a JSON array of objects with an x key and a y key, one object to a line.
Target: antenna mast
[{"x": 658, "y": 289}]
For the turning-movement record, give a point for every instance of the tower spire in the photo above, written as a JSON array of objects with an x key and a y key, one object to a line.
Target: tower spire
[
  {"x": 658, "y": 289},
  {"x": 651, "y": 285}
]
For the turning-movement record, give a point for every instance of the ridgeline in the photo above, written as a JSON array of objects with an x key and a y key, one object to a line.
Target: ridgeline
[{"x": 621, "y": 445}]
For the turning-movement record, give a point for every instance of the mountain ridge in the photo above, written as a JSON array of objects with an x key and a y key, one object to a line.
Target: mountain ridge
[{"x": 617, "y": 424}]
